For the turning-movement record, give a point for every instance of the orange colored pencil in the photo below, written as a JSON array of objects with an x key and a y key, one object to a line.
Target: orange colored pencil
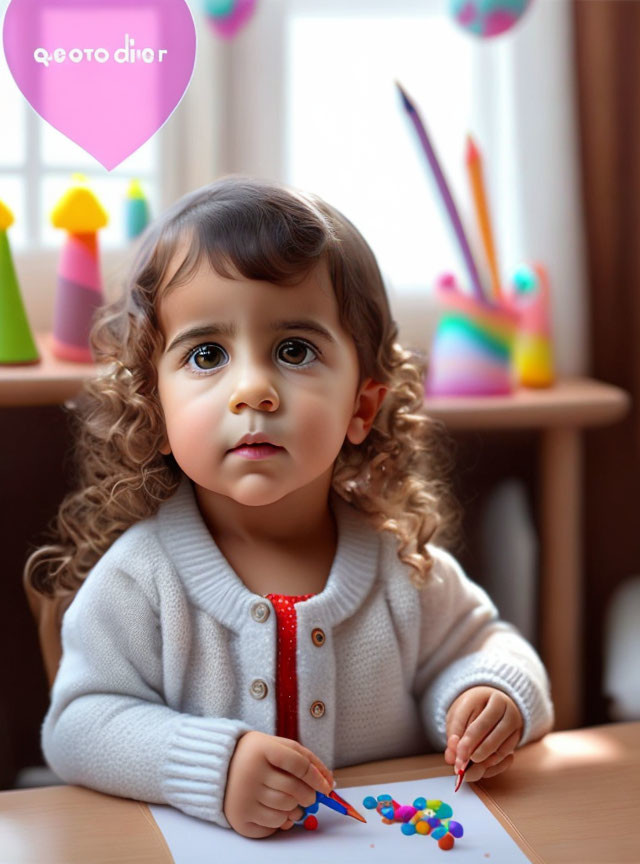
[{"x": 474, "y": 168}]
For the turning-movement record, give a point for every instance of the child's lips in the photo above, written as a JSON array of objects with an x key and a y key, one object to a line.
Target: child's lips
[{"x": 256, "y": 451}]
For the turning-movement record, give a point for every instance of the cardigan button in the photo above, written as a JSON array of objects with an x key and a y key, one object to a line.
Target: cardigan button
[
  {"x": 317, "y": 709},
  {"x": 260, "y": 612},
  {"x": 258, "y": 689},
  {"x": 317, "y": 636}
]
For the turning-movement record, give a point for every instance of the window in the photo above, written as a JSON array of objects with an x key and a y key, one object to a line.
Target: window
[
  {"x": 324, "y": 115},
  {"x": 36, "y": 164},
  {"x": 313, "y": 80},
  {"x": 354, "y": 145}
]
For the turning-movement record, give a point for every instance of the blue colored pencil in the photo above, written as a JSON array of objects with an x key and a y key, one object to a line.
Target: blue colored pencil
[
  {"x": 329, "y": 802},
  {"x": 335, "y": 802}
]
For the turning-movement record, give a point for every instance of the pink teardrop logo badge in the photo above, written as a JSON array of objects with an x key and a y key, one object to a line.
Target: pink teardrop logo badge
[{"x": 106, "y": 73}]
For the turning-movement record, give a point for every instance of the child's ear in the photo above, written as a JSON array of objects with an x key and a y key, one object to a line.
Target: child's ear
[{"x": 366, "y": 408}]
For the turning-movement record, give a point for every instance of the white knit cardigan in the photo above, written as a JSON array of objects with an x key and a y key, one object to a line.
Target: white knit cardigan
[{"x": 168, "y": 658}]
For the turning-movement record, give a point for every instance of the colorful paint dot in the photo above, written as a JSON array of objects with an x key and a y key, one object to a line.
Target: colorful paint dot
[
  {"x": 434, "y": 819},
  {"x": 446, "y": 842},
  {"x": 405, "y": 812}
]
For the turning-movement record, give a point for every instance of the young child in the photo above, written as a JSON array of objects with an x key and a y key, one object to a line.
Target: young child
[{"x": 258, "y": 598}]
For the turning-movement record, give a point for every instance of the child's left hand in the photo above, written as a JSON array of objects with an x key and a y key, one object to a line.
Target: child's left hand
[{"x": 484, "y": 725}]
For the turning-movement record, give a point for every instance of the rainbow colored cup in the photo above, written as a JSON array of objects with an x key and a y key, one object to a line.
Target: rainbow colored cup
[{"x": 472, "y": 349}]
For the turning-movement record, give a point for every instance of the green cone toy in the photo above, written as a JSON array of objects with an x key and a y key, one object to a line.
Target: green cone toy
[{"x": 17, "y": 344}]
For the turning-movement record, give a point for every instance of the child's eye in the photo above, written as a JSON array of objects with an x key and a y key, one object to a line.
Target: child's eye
[
  {"x": 294, "y": 352},
  {"x": 204, "y": 358},
  {"x": 210, "y": 356}
]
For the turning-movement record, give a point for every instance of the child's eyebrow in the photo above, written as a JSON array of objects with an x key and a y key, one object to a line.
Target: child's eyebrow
[{"x": 230, "y": 330}]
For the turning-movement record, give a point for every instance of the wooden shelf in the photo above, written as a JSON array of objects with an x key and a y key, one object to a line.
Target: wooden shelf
[
  {"x": 50, "y": 382},
  {"x": 570, "y": 403}
]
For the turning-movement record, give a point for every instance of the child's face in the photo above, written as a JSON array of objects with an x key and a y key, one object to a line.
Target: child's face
[{"x": 297, "y": 387}]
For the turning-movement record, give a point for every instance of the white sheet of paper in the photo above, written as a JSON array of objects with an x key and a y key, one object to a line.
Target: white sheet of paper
[{"x": 343, "y": 839}]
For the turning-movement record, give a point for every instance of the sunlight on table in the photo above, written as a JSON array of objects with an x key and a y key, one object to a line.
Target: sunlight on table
[{"x": 588, "y": 748}]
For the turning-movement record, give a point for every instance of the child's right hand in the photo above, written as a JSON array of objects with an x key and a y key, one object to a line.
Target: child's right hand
[{"x": 270, "y": 779}]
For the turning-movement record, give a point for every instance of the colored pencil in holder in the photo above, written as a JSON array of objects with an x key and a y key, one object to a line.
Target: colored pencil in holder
[
  {"x": 444, "y": 191},
  {"x": 478, "y": 192}
]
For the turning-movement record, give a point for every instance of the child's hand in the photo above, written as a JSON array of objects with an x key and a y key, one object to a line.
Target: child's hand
[
  {"x": 269, "y": 777},
  {"x": 485, "y": 725}
]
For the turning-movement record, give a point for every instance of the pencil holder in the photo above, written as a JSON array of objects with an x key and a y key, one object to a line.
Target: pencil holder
[{"x": 472, "y": 349}]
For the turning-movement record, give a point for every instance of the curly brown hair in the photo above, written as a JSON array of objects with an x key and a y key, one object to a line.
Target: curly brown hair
[{"x": 265, "y": 231}]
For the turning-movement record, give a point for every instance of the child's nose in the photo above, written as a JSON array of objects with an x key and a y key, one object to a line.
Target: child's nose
[{"x": 254, "y": 389}]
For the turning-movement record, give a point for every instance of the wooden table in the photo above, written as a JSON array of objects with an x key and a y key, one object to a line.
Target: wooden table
[
  {"x": 559, "y": 414},
  {"x": 571, "y": 798}
]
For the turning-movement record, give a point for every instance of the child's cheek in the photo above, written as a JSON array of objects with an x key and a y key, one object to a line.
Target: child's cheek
[{"x": 195, "y": 430}]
